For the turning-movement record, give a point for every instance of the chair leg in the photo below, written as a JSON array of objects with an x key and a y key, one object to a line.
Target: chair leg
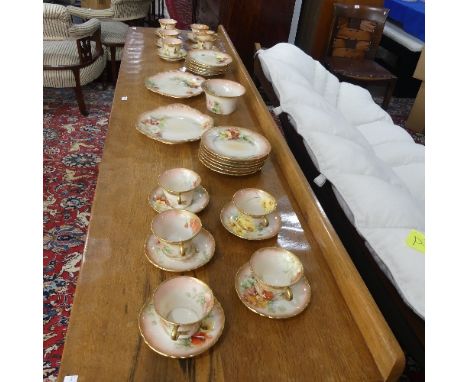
[
  {"x": 388, "y": 94},
  {"x": 79, "y": 93},
  {"x": 113, "y": 64}
]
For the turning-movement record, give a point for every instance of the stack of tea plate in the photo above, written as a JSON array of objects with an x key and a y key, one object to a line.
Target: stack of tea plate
[
  {"x": 233, "y": 150},
  {"x": 208, "y": 62}
]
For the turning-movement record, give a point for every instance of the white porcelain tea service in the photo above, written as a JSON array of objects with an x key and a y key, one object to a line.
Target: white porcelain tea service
[
  {"x": 176, "y": 229},
  {"x": 272, "y": 283},
  {"x": 179, "y": 188},
  {"x": 182, "y": 319},
  {"x": 222, "y": 95},
  {"x": 171, "y": 49},
  {"x": 251, "y": 215}
]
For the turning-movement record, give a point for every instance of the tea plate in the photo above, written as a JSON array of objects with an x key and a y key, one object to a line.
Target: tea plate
[
  {"x": 230, "y": 215},
  {"x": 204, "y": 246},
  {"x": 175, "y": 84},
  {"x": 159, "y": 341},
  {"x": 225, "y": 171},
  {"x": 237, "y": 143},
  {"x": 180, "y": 56},
  {"x": 263, "y": 305},
  {"x": 234, "y": 167},
  {"x": 209, "y": 57},
  {"x": 176, "y": 123},
  {"x": 157, "y": 200}
]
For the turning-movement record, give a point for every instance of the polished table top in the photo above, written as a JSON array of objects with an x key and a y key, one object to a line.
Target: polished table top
[{"x": 341, "y": 336}]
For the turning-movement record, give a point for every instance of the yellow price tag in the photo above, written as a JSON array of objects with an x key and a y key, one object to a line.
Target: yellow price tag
[{"x": 416, "y": 240}]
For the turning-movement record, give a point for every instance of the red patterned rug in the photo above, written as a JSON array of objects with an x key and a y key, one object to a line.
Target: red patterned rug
[{"x": 72, "y": 151}]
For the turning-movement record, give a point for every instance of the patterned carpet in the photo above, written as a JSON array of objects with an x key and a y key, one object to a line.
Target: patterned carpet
[{"x": 72, "y": 151}]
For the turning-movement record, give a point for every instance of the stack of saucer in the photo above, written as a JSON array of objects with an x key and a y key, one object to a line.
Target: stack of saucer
[
  {"x": 233, "y": 150},
  {"x": 207, "y": 62}
]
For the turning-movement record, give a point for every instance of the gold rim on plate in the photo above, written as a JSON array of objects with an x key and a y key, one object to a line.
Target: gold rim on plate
[
  {"x": 224, "y": 172},
  {"x": 150, "y": 202},
  {"x": 211, "y": 238},
  {"x": 260, "y": 137},
  {"x": 213, "y": 156},
  {"x": 265, "y": 315},
  {"x": 148, "y": 301},
  {"x": 244, "y": 237},
  {"x": 157, "y": 91},
  {"x": 232, "y": 168}
]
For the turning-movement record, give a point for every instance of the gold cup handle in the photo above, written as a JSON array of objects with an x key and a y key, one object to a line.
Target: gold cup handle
[
  {"x": 181, "y": 249},
  {"x": 175, "y": 332},
  {"x": 266, "y": 223},
  {"x": 288, "y": 294},
  {"x": 179, "y": 198}
]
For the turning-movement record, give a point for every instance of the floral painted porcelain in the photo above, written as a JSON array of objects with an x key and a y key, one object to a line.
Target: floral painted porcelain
[
  {"x": 267, "y": 306},
  {"x": 177, "y": 228},
  {"x": 204, "y": 248},
  {"x": 176, "y": 123},
  {"x": 167, "y": 23},
  {"x": 222, "y": 95},
  {"x": 157, "y": 200},
  {"x": 179, "y": 185},
  {"x": 275, "y": 270},
  {"x": 226, "y": 169},
  {"x": 236, "y": 143},
  {"x": 233, "y": 220},
  {"x": 254, "y": 205},
  {"x": 175, "y": 84},
  {"x": 181, "y": 303},
  {"x": 165, "y": 55},
  {"x": 157, "y": 339},
  {"x": 209, "y": 58}
]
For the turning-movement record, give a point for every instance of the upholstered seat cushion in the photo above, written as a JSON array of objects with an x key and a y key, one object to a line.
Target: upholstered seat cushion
[
  {"x": 65, "y": 53},
  {"x": 114, "y": 32},
  {"x": 374, "y": 166}
]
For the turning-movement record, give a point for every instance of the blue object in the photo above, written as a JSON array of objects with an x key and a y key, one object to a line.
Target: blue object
[{"x": 409, "y": 14}]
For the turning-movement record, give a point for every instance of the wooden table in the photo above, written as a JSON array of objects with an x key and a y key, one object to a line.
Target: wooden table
[{"x": 341, "y": 336}]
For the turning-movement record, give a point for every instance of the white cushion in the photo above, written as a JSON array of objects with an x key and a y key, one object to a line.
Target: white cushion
[{"x": 374, "y": 166}]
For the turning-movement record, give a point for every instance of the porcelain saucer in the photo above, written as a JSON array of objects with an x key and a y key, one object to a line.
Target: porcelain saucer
[
  {"x": 157, "y": 200},
  {"x": 179, "y": 57},
  {"x": 245, "y": 289},
  {"x": 204, "y": 244},
  {"x": 159, "y": 341},
  {"x": 230, "y": 214}
]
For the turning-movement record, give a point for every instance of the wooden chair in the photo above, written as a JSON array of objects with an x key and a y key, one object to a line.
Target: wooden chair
[
  {"x": 354, "y": 39},
  {"x": 114, "y": 26},
  {"x": 72, "y": 54}
]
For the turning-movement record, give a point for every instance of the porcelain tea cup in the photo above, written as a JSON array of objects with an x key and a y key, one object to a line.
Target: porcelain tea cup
[
  {"x": 181, "y": 304},
  {"x": 171, "y": 46},
  {"x": 196, "y": 28},
  {"x": 163, "y": 33},
  {"x": 222, "y": 95},
  {"x": 167, "y": 23},
  {"x": 275, "y": 271},
  {"x": 179, "y": 185},
  {"x": 204, "y": 41},
  {"x": 176, "y": 229},
  {"x": 254, "y": 206}
]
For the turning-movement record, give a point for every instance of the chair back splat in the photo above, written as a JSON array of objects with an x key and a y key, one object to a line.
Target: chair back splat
[{"x": 356, "y": 31}]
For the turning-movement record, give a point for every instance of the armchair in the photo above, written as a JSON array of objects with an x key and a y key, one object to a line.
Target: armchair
[
  {"x": 72, "y": 54},
  {"x": 113, "y": 30}
]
